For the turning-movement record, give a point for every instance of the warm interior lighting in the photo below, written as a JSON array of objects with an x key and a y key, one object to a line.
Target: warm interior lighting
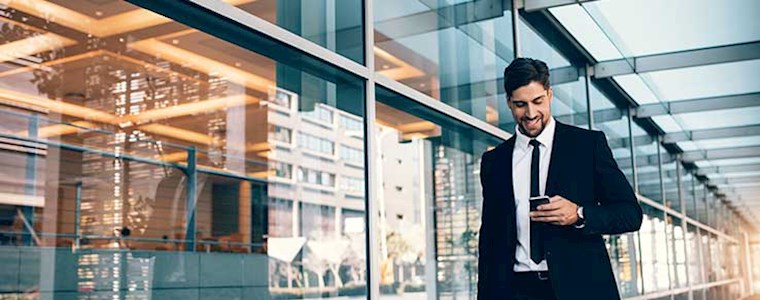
[
  {"x": 403, "y": 71},
  {"x": 258, "y": 147},
  {"x": 201, "y": 63},
  {"x": 192, "y": 108},
  {"x": 177, "y": 133},
  {"x": 262, "y": 174},
  {"x": 120, "y": 23},
  {"x": 33, "y": 45},
  {"x": 58, "y": 106},
  {"x": 409, "y": 126},
  {"x": 174, "y": 157},
  {"x": 61, "y": 129}
]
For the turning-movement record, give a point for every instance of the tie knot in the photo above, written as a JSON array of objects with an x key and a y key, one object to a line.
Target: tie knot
[{"x": 535, "y": 143}]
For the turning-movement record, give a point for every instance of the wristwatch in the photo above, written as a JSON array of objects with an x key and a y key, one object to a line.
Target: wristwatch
[{"x": 581, "y": 219}]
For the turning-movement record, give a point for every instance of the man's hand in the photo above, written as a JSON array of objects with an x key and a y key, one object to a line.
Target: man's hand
[{"x": 559, "y": 211}]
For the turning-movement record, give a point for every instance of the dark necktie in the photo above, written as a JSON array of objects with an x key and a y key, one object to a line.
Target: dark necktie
[{"x": 536, "y": 228}]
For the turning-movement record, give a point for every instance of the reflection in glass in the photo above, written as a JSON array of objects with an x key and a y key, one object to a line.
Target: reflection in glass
[
  {"x": 143, "y": 159},
  {"x": 447, "y": 52},
  {"x": 430, "y": 201}
]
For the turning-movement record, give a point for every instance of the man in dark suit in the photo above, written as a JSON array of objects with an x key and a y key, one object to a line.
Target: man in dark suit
[{"x": 557, "y": 251}]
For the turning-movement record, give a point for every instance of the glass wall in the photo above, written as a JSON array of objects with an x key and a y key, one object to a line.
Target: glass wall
[
  {"x": 452, "y": 51},
  {"x": 331, "y": 24},
  {"x": 654, "y": 251},
  {"x": 429, "y": 201},
  {"x": 159, "y": 161}
]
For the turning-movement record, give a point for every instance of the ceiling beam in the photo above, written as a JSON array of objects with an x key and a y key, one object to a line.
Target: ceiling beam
[
  {"x": 707, "y": 134},
  {"x": 736, "y": 152},
  {"x": 676, "y": 60},
  {"x": 728, "y": 169},
  {"x": 697, "y": 105},
  {"x": 722, "y": 181},
  {"x": 645, "y": 160},
  {"x": 534, "y": 5},
  {"x": 623, "y": 142}
]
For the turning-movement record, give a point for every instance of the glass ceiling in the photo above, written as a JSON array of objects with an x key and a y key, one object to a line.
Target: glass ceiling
[
  {"x": 679, "y": 24},
  {"x": 614, "y": 29}
]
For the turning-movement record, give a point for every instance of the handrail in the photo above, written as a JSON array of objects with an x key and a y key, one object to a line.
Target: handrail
[{"x": 131, "y": 239}]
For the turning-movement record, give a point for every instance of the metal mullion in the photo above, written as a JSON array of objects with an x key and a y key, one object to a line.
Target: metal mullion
[
  {"x": 440, "y": 107},
  {"x": 516, "y": 5},
  {"x": 684, "y": 225},
  {"x": 279, "y": 34},
  {"x": 372, "y": 236}
]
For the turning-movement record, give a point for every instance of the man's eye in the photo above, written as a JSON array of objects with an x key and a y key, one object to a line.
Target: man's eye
[{"x": 519, "y": 104}]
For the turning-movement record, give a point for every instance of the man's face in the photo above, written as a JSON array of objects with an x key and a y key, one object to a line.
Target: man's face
[{"x": 531, "y": 108}]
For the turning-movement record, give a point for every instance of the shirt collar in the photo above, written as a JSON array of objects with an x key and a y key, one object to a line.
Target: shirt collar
[{"x": 546, "y": 137}]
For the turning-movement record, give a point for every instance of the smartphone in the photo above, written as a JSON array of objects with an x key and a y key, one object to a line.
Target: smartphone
[{"x": 538, "y": 200}]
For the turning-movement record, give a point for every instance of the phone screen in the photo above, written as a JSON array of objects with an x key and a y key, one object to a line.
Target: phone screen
[{"x": 536, "y": 201}]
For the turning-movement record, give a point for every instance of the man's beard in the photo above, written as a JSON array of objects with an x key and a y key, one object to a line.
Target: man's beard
[{"x": 524, "y": 131}]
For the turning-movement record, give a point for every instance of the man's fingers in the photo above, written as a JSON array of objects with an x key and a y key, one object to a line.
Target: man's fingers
[
  {"x": 556, "y": 198},
  {"x": 550, "y": 206},
  {"x": 545, "y": 213},
  {"x": 547, "y": 219}
]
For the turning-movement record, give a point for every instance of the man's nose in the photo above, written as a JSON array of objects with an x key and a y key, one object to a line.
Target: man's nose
[{"x": 530, "y": 111}]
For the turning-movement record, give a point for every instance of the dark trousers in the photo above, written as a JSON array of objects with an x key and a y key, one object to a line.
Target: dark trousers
[{"x": 532, "y": 286}]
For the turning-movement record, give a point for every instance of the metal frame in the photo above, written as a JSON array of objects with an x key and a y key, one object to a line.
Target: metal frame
[
  {"x": 707, "y": 134},
  {"x": 534, "y": 5},
  {"x": 738, "y": 152},
  {"x": 372, "y": 180},
  {"x": 697, "y": 105},
  {"x": 676, "y": 60}
]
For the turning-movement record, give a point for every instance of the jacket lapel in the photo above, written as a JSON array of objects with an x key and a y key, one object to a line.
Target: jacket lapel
[
  {"x": 506, "y": 166},
  {"x": 557, "y": 161}
]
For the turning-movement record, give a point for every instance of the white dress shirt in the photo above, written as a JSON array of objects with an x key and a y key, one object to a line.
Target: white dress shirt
[{"x": 521, "y": 160}]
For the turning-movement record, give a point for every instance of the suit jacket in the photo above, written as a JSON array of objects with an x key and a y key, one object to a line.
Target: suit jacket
[{"x": 582, "y": 170}]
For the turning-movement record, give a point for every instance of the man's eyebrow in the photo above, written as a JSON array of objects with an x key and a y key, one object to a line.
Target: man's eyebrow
[{"x": 539, "y": 97}]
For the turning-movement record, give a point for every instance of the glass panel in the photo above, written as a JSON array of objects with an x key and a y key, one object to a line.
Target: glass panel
[
  {"x": 690, "y": 194},
  {"x": 755, "y": 264},
  {"x": 335, "y": 25},
  {"x": 677, "y": 248},
  {"x": 717, "y": 27},
  {"x": 532, "y": 43},
  {"x": 429, "y": 201},
  {"x": 719, "y": 118},
  {"x": 637, "y": 89},
  {"x": 569, "y": 105},
  {"x": 625, "y": 262},
  {"x": 648, "y": 170},
  {"x": 120, "y": 110},
  {"x": 584, "y": 29},
  {"x": 615, "y": 128},
  {"x": 670, "y": 180},
  {"x": 707, "y": 257},
  {"x": 705, "y": 81},
  {"x": 654, "y": 250},
  {"x": 694, "y": 255},
  {"x": 447, "y": 52}
]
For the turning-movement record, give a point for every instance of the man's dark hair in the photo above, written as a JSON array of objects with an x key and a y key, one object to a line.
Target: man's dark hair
[{"x": 522, "y": 71}]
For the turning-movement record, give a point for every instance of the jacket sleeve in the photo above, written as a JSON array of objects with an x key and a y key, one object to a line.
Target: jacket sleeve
[
  {"x": 485, "y": 283},
  {"x": 617, "y": 210}
]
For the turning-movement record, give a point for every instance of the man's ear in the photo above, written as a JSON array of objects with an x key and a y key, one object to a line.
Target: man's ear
[{"x": 550, "y": 94}]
